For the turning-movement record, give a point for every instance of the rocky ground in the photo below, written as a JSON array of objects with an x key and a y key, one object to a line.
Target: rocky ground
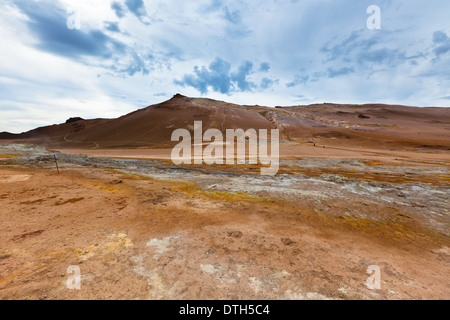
[{"x": 146, "y": 229}]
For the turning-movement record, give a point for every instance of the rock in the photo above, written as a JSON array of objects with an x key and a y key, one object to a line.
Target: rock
[
  {"x": 74, "y": 119},
  {"x": 235, "y": 234},
  {"x": 287, "y": 241},
  {"x": 442, "y": 251},
  {"x": 334, "y": 178}
]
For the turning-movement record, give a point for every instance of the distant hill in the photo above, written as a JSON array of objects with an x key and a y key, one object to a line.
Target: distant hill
[
  {"x": 7, "y": 135},
  {"x": 382, "y": 126}
]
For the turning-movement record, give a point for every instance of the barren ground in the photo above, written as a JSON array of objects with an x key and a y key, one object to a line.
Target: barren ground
[{"x": 149, "y": 230}]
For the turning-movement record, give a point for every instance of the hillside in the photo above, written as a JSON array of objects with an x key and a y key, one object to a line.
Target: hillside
[{"x": 377, "y": 125}]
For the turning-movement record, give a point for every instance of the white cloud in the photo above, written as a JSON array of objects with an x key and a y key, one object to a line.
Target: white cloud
[{"x": 41, "y": 83}]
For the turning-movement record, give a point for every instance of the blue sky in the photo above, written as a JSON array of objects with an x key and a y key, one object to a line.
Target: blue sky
[{"x": 127, "y": 54}]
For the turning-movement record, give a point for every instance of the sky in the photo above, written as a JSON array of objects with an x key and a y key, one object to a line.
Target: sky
[{"x": 105, "y": 58}]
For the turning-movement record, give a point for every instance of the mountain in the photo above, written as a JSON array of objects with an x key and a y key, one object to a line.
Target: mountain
[{"x": 381, "y": 126}]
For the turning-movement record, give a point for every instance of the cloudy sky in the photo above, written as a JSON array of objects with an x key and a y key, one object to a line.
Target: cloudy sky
[{"x": 105, "y": 58}]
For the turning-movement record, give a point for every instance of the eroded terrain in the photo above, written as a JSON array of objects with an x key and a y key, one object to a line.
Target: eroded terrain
[{"x": 145, "y": 229}]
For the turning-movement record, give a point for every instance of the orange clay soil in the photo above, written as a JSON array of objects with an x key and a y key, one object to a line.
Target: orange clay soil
[
  {"x": 141, "y": 238},
  {"x": 288, "y": 152}
]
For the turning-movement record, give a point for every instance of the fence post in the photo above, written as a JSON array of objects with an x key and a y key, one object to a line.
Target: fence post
[{"x": 56, "y": 162}]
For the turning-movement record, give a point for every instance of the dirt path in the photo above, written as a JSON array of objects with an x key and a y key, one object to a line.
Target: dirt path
[{"x": 287, "y": 152}]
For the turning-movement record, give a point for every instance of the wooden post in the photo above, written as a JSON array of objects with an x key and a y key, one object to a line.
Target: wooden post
[{"x": 56, "y": 162}]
